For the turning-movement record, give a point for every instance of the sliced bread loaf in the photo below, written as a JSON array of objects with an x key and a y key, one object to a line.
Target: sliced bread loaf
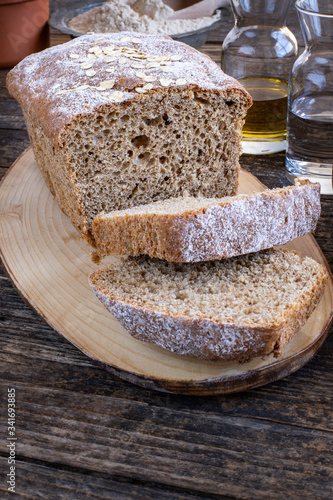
[
  {"x": 122, "y": 119},
  {"x": 234, "y": 309},
  {"x": 198, "y": 229}
]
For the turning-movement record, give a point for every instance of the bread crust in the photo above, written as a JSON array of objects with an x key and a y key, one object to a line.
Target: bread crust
[
  {"x": 57, "y": 177},
  {"x": 35, "y": 81},
  {"x": 224, "y": 228}
]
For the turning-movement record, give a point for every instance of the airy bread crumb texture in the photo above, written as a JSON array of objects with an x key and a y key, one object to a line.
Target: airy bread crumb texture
[
  {"x": 234, "y": 309},
  {"x": 160, "y": 147}
]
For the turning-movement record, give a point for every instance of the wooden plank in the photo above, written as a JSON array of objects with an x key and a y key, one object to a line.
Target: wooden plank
[
  {"x": 309, "y": 390},
  {"x": 11, "y": 115},
  {"x": 199, "y": 452},
  {"x": 50, "y": 483},
  {"x": 12, "y": 144},
  {"x": 213, "y": 51},
  {"x": 4, "y": 94},
  {"x": 57, "y": 38}
]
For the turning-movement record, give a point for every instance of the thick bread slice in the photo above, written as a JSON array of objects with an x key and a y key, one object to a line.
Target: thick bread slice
[
  {"x": 234, "y": 309},
  {"x": 199, "y": 229}
]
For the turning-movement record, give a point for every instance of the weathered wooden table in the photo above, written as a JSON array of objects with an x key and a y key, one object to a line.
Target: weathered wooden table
[{"x": 83, "y": 433}]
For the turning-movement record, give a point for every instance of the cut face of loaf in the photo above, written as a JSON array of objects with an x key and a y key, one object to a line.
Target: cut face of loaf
[
  {"x": 123, "y": 119},
  {"x": 199, "y": 229},
  {"x": 234, "y": 309}
]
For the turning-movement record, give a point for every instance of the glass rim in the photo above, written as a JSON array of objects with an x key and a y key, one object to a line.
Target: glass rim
[{"x": 305, "y": 10}]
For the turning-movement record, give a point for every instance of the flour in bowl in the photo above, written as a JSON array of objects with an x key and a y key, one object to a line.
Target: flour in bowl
[{"x": 142, "y": 16}]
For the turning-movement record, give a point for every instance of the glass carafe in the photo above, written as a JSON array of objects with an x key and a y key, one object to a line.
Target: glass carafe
[
  {"x": 310, "y": 105},
  {"x": 259, "y": 52}
]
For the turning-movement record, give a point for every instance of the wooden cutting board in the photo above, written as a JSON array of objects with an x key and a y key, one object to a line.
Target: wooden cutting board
[{"x": 49, "y": 264}]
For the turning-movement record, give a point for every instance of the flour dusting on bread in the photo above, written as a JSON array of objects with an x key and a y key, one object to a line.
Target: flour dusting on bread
[{"x": 124, "y": 119}]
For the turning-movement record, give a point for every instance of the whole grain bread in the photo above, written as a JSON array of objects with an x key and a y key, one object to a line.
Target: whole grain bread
[
  {"x": 193, "y": 229},
  {"x": 119, "y": 120},
  {"x": 234, "y": 309}
]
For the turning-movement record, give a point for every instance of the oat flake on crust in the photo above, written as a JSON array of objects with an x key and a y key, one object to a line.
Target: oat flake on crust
[{"x": 39, "y": 78}]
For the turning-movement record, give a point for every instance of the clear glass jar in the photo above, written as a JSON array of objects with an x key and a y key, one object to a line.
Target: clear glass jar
[
  {"x": 259, "y": 52},
  {"x": 310, "y": 104}
]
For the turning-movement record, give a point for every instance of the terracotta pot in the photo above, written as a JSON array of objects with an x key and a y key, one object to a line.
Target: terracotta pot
[{"x": 23, "y": 29}]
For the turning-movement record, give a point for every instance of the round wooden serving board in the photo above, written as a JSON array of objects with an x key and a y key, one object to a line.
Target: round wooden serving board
[{"x": 49, "y": 264}]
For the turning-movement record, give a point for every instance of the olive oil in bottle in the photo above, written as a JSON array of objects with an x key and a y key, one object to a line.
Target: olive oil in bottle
[{"x": 265, "y": 123}]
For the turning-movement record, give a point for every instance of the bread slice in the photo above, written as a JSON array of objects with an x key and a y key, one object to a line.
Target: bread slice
[
  {"x": 122, "y": 119},
  {"x": 199, "y": 229},
  {"x": 234, "y": 309}
]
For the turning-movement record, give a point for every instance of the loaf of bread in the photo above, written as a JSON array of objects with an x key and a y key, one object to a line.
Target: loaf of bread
[
  {"x": 233, "y": 309},
  {"x": 193, "y": 229},
  {"x": 120, "y": 120}
]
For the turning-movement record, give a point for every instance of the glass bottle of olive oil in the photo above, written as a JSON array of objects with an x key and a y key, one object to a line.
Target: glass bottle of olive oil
[
  {"x": 266, "y": 119},
  {"x": 259, "y": 52}
]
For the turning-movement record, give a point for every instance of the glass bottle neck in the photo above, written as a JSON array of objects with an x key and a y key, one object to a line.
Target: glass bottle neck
[
  {"x": 317, "y": 29},
  {"x": 260, "y": 12}
]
